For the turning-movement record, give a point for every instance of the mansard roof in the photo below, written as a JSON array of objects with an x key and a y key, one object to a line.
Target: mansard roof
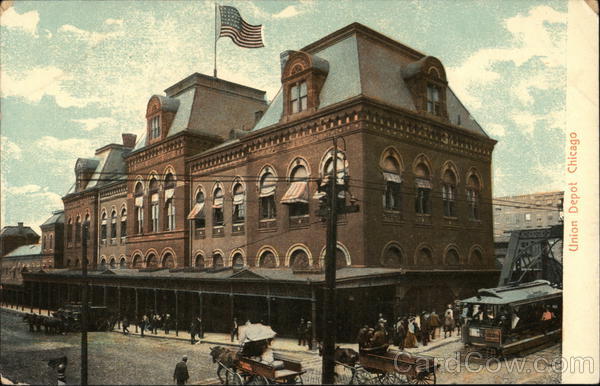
[{"x": 58, "y": 217}]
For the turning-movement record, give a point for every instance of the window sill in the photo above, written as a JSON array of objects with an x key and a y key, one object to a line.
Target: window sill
[
  {"x": 299, "y": 222},
  {"x": 218, "y": 231},
  {"x": 200, "y": 233},
  {"x": 268, "y": 225},
  {"x": 238, "y": 229},
  {"x": 423, "y": 219},
  {"x": 392, "y": 216}
]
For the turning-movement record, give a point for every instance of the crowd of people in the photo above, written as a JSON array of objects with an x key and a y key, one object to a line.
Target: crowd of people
[{"x": 411, "y": 330}]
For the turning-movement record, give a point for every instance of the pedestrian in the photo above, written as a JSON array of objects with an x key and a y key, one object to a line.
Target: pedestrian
[
  {"x": 125, "y": 325},
  {"x": 181, "y": 374},
  {"x": 301, "y": 332},
  {"x": 143, "y": 323},
  {"x": 434, "y": 323},
  {"x": 235, "y": 330},
  {"x": 167, "y": 323},
  {"x": 400, "y": 333},
  {"x": 411, "y": 341},
  {"x": 425, "y": 328},
  {"x": 156, "y": 321},
  {"x": 193, "y": 331},
  {"x": 448, "y": 321},
  {"x": 200, "y": 328},
  {"x": 379, "y": 341},
  {"x": 62, "y": 378},
  {"x": 361, "y": 337},
  {"x": 308, "y": 335}
]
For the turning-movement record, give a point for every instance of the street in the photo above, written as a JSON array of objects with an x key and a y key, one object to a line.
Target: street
[{"x": 120, "y": 360}]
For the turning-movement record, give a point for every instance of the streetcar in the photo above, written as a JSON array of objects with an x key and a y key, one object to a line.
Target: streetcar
[{"x": 511, "y": 319}]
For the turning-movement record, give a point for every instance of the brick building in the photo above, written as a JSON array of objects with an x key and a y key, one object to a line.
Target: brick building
[
  {"x": 221, "y": 209},
  {"x": 52, "y": 248},
  {"x": 12, "y": 237}
]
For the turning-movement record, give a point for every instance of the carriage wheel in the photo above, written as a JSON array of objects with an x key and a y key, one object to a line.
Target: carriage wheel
[
  {"x": 395, "y": 379},
  {"x": 233, "y": 378},
  {"x": 256, "y": 380},
  {"x": 363, "y": 377},
  {"x": 423, "y": 378}
]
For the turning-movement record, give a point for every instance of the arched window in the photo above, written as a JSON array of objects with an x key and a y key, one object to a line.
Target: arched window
[
  {"x": 170, "y": 211},
  {"x": 393, "y": 256},
  {"x": 169, "y": 181},
  {"x": 238, "y": 261},
  {"x": 199, "y": 262},
  {"x": 341, "y": 260},
  {"x": 70, "y": 231},
  {"x": 124, "y": 222},
  {"x": 78, "y": 230},
  {"x": 168, "y": 261},
  {"x": 449, "y": 193},
  {"x": 217, "y": 261},
  {"x": 139, "y": 208},
  {"x": 170, "y": 201},
  {"x": 151, "y": 261},
  {"x": 424, "y": 256},
  {"x": 68, "y": 263},
  {"x": 299, "y": 259},
  {"x": 44, "y": 242},
  {"x": 268, "y": 184},
  {"x": 392, "y": 196},
  {"x": 296, "y": 197},
  {"x": 239, "y": 204},
  {"x": 198, "y": 213},
  {"x": 452, "y": 257},
  {"x": 122, "y": 263},
  {"x": 113, "y": 263},
  {"x": 154, "y": 207},
  {"x": 51, "y": 244},
  {"x": 136, "y": 262},
  {"x": 423, "y": 189},
  {"x": 267, "y": 260},
  {"x": 76, "y": 262},
  {"x": 113, "y": 224},
  {"x": 103, "y": 263},
  {"x": 218, "y": 218},
  {"x": 473, "y": 191},
  {"x": 476, "y": 257}
]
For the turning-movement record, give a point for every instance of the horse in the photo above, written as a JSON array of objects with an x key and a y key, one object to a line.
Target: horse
[
  {"x": 224, "y": 357},
  {"x": 345, "y": 356}
]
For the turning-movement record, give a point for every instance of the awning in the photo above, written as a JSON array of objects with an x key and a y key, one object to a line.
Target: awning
[
  {"x": 104, "y": 222},
  {"x": 297, "y": 193},
  {"x": 238, "y": 198},
  {"x": 154, "y": 197},
  {"x": 218, "y": 202},
  {"x": 392, "y": 177},
  {"x": 422, "y": 183},
  {"x": 139, "y": 201},
  {"x": 123, "y": 218},
  {"x": 267, "y": 190},
  {"x": 169, "y": 194},
  {"x": 197, "y": 211}
]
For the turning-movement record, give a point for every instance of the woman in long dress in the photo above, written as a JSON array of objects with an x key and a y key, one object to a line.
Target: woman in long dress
[{"x": 410, "y": 341}]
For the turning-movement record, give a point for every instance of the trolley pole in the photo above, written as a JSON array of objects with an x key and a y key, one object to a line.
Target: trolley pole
[
  {"x": 84, "y": 307},
  {"x": 329, "y": 311}
]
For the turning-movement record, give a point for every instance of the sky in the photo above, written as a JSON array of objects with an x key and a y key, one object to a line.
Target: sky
[{"x": 74, "y": 75}]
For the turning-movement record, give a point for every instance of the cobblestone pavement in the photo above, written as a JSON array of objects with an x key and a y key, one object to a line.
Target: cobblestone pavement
[{"x": 118, "y": 359}]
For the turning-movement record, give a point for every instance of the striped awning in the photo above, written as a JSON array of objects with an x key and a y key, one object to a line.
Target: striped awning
[
  {"x": 422, "y": 183},
  {"x": 218, "y": 202},
  {"x": 297, "y": 193},
  {"x": 169, "y": 193},
  {"x": 238, "y": 198},
  {"x": 392, "y": 177},
  {"x": 197, "y": 211},
  {"x": 139, "y": 201}
]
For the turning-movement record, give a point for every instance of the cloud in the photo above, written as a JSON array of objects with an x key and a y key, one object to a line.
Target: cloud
[
  {"x": 24, "y": 189},
  {"x": 91, "y": 37},
  {"x": 91, "y": 124},
  {"x": 35, "y": 204},
  {"x": 27, "y": 22},
  {"x": 60, "y": 154},
  {"x": 33, "y": 84},
  {"x": 289, "y": 11},
  {"x": 10, "y": 150},
  {"x": 114, "y": 21},
  {"x": 495, "y": 130}
]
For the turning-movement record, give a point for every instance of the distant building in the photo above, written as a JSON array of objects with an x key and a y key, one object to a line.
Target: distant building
[
  {"x": 13, "y": 237},
  {"x": 527, "y": 211}
]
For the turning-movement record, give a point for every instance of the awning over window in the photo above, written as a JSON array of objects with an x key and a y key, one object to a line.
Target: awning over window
[
  {"x": 123, "y": 218},
  {"x": 218, "y": 202},
  {"x": 268, "y": 189},
  {"x": 422, "y": 183},
  {"x": 104, "y": 222},
  {"x": 139, "y": 201},
  {"x": 392, "y": 177},
  {"x": 197, "y": 211},
  {"x": 297, "y": 193},
  {"x": 169, "y": 194},
  {"x": 238, "y": 198},
  {"x": 154, "y": 197}
]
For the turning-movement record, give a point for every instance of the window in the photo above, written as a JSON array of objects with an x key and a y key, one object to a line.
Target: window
[
  {"x": 393, "y": 256},
  {"x": 124, "y": 222},
  {"x": 199, "y": 262},
  {"x": 154, "y": 216},
  {"x": 155, "y": 127},
  {"x": 267, "y": 196},
  {"x": 136, "y": 262},
  {"x": 103, "y": 227},
  {"x": 139, "y": 208},
  {"x": 473, "y": 189},
  {"x": 168, "y": 261},
  {"x": 425, "y": 257},
  {"x": 392, "y": 195},
  {"x": 170, "y": 215},
  {"x": 44, "y": 242},
  {"x": 296, "y": 197},
  {"x": 197, "y": 213},
  {"x": 299, "y": 97},
  {"x": 217, "y": 261},
  {"x": 267, "y": 260},
  {"x": 299, "y": 259},
  {"x": 433, "y": 99},
  {"x": 237, "y": 261},
  {"x": 78, "y": 230},
  {"x": 239, "y": 204},
  {"x": 452, "y": 257},
  {"x": 70, "y": 231},
  {"x": 151, "y": 261},
  {"x": 449, "y": 193},
  {"x": 423, "y": 190},
  {"x": 218, "y": 207},
  {"x": 154, "y": 208},
  {"x": 113, "y": 224}
]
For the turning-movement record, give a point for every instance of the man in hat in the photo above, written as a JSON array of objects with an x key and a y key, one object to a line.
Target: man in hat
[
  {"x": 308, "y": 334},
  {"x": 181, "y": 374}
]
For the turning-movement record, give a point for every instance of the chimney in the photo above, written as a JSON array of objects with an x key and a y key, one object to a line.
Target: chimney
[
  {"x": 20, "y": 225},
  {"x": 129, "y": 140}
]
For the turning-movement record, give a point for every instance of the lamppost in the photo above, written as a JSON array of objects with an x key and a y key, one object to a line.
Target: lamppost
[{"x": 84, "y": 305}]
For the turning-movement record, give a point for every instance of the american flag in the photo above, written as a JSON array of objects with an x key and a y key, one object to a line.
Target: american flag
[{"x": 242, "y": 33}]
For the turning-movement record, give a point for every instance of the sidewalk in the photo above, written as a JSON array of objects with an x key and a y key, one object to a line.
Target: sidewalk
[{"x": 279, "y": 344}]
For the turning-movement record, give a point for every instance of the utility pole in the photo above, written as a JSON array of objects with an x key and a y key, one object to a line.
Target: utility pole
[
  {"x": 84, "y": 306},
  {"x": 329, "y": 292}
]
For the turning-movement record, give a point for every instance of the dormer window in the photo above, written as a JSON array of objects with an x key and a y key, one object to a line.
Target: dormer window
[
  {"x": 433, "y": 99},
  {"x": 155, "y": 127},
  {"x": 299, "y": 97}
]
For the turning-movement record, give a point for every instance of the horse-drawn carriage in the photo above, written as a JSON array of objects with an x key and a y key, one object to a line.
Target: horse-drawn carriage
[
  {"x": 382, "y": 366},
  {"x": 255, "y": 363}
]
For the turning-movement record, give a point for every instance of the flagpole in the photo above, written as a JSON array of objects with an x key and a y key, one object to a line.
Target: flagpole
[{"x": 215, "y": 67}]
